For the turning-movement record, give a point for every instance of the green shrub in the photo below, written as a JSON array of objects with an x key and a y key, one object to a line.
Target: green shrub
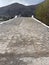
[{"x": 42, "y": 12}]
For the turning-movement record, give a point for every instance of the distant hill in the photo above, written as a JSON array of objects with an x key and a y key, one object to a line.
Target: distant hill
[
  {"x": 10, "y": 11},
  {"x": 14, "y": 9}
]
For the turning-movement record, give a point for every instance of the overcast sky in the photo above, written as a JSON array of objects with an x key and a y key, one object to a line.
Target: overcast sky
[{"x": 25, "y": 2}]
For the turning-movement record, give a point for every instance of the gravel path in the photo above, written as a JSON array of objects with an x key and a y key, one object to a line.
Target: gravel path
[{"x": 24, "y": 41}]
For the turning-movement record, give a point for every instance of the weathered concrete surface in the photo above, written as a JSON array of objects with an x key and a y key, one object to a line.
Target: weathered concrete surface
[{"x": 24, "y": 41}]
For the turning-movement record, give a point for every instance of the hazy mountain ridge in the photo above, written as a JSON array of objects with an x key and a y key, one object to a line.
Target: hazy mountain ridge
[
  {"x": 17, "y": 9},
  {"x": 10, "y": 11}
]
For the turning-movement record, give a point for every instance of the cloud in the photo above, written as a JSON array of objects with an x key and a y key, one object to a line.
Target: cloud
[
  {"x": 28, "y": 1},
  {"x": 25, "y": 2}
]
